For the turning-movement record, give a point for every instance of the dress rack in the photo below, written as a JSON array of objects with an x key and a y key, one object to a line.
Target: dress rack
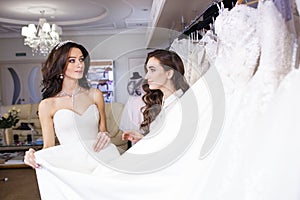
[
  {"x": 198, "y": 19},
  {"x": 197, "y": 24}
]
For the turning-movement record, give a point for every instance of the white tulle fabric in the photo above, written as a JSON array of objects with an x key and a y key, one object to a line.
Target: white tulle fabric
[
  {"x": 271, "y": 145},
  {"x": 256, "y": 156},
  {"x": 58, "y": 180},
  {"x": 242, "y": 166}
]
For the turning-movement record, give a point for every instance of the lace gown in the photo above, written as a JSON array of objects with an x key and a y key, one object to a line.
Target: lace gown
[
  {"x": 238, "y": 47},
  {"x": 236, "y": 61},
  {"x": 241, "y": 169},
  {"x": 274, "y": 164}
]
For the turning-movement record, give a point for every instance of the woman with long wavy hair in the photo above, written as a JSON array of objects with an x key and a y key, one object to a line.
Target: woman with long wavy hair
[
  {"x": 164, "y": 78},
  {"x": 66, "y": 97}
]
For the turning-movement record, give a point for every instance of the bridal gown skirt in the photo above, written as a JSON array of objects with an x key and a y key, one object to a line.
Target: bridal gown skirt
[
  {"x": 65, "y": 169},
  {"x": 70, "y": 171},
  {"x": 268, "y": 170}
]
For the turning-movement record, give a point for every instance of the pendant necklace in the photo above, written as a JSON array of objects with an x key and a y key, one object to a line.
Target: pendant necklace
[{"x": 63, "y": 94}]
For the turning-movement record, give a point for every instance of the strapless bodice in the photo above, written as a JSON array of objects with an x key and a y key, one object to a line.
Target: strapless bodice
[{"x": 72, "y": 127}]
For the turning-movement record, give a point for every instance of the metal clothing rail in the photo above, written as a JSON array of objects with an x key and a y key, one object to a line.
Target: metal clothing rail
[
  {"x": 198, "y": 23},
  {"x": 198, "y": 18}
]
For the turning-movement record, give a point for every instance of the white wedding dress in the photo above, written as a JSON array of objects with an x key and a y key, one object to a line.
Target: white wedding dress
[
  {"x": 255, "y": 156},
  {"x": 271, "y": 168},
  {"x": 162, "y": 165},
  {"x": 259, "y": 143}
]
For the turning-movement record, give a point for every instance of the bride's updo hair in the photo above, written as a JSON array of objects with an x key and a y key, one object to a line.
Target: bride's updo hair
[
  {"x": 153, "y": 99},
  {"x": 56, "y": 65}
]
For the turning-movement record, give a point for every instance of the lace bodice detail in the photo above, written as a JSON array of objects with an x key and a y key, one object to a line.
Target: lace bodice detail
[
  {"x": 263, "y": 33},
  {"x": 238, "y": 46},
  {"x": 276, "y": 41},
  {"x": 276, "y": 55}
]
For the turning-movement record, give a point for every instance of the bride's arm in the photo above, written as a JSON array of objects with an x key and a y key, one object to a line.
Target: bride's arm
[
  {"x": 99, "y": 101},
  {"x": 47, "y": 131},
  {"x": 29, "y": 158},
  {"x": 103, "y": 138},
  {"x": 46, "y": 119}
]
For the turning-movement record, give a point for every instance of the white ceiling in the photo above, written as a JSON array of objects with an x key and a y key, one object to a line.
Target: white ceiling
[
  {"x": 100, "y": 17},
  {"x": 75, "y": 16}
]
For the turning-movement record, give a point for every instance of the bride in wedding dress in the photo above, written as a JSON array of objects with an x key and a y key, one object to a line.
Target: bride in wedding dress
[
  {"x": 73, "y": 170},
  {"x": 64, "y": 79}
]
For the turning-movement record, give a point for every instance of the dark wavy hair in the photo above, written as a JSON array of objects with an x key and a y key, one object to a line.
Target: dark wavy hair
[
  {"x": 56, "y": 64},
  {"x": 153, "y": 98}
]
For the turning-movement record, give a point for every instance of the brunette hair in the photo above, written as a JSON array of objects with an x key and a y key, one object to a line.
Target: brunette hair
[
  {"x": 56, "y": 65},
  {"x": 153, "y": 98}
]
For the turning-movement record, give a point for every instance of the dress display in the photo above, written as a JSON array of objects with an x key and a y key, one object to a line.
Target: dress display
[
  {"x": 197, "y": 56},
  {"x": 273, "y": 164},
  {"x": 237, "y": 59},
  {"x": 254, "y": 158},
  {"x": 132, "y": 115},
  {"x": 242, "y": 166}
]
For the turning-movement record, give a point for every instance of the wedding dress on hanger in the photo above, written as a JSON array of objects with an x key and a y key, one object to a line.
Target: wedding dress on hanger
[
  {"x": 274, "y": 164},
  {"x": 238, "y": 46},
  {"x": 246, "y": 166},
  {"x": 236, "y": 61},
  {"x": 278, "y": 146},
  {"x": 198, "y": 56}
]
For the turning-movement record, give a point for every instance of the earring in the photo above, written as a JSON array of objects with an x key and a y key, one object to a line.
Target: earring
[{"x": 61, "y": 76}]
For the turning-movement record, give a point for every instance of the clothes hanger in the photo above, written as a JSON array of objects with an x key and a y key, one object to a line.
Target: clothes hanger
[
  {"x": 252, "y": 2},
  {"x": 247, "y": 2}
]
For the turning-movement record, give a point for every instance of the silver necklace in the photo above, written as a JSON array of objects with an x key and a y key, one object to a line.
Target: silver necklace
[{"x": 63, "y": 94}]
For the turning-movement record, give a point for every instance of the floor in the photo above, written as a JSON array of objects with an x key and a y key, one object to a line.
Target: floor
[{"x": 21, "y": 184}]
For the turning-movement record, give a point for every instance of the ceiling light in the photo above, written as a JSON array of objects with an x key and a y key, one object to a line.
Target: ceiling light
[{"x": 43, "y": 37}]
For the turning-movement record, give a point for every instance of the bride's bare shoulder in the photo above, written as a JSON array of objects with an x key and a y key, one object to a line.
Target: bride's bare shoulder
[
  {"x": 46, "y": 102},
  {"x": 47, "y": 105},
  {"x": 94, "y": 93}
]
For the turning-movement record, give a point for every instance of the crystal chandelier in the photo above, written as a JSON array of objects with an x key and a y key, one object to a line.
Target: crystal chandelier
[{"x": 41, "y": 38}]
